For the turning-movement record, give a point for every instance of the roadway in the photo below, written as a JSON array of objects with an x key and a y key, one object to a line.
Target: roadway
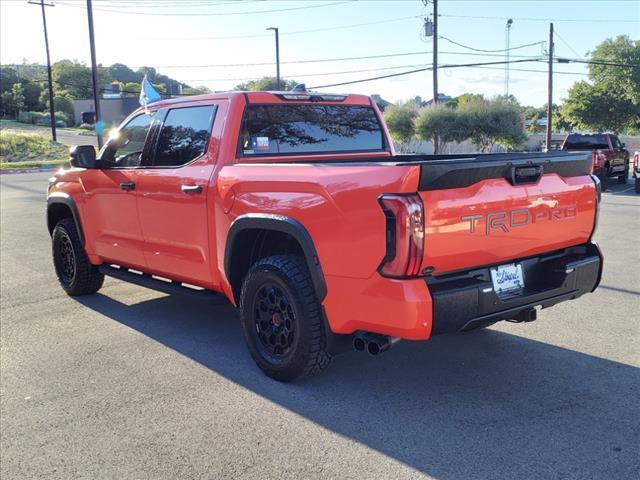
[{"x": 130, "y": 383}]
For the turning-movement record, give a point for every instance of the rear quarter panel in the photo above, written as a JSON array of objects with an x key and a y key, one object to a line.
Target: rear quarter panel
[{"x": 338, "y": 205}]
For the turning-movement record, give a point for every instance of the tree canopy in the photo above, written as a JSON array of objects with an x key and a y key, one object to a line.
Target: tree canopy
[
  {"x": 610, "y": 100},
  {"x": 266, "y": 83}
]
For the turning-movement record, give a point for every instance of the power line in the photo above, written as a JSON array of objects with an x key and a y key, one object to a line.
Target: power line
[
  {"x": 322, "y": 60},
  {"x": 295, "y": 32},
  {"x": 566, "y": 43},
  {"x": 597, "y": 62},
  {"x": 495, "y": 51},
  {"x": 303, "y": 75},
  {"x": 538, "y": 19},
  {"x": 532, "y": 70},
  {"x": 209, "y": 14},
  {"x": 417, "y": 71}
]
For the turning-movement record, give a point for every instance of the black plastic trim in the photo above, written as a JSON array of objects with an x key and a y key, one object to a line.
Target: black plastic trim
[
  {"x": 148, "y": 281},
  {"x": 441, "y": 172},
  {"x": 466, "y": 300},
  {"x": 279, "y": 223},
  {"x": 65, "y": 199}
]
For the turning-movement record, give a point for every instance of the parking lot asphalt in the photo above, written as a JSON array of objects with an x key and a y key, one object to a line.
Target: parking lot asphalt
[{"x": 131, "y": 383}]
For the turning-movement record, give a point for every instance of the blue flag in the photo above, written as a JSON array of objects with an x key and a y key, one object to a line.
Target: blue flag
[{"x": 148, "y": 94}]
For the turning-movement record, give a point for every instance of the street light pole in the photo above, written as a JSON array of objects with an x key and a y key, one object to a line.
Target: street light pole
[
  {"x": 277, "y": 57},
  {"x": 94, "y": 72},
  {"x": 506, "y": 54},
  {"x": 52, "y": 110}
]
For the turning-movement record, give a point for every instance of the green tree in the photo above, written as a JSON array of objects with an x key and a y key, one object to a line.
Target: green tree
[
  {"x": 493, "y": 121},
  {"x": 123, "y": 74},
  {"x": 464, "y": 98},
  {"x": 266, "y": 83},
  {"x": 12, "y": 102},
  {"x": 131, "y": 89},
  {"x": 32, "y": 95},
  {"x": 8, "y": 77},
  {"x": 195, "y": 90},
  {"x": 400, "y": 120},
  {"x": 610, "y": 100},
  {"x": 441, "y": 125},
  {"x": 533, "y": 126}
]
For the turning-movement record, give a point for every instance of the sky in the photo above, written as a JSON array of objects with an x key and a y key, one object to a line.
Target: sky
[{"x": 217, "y": 43}]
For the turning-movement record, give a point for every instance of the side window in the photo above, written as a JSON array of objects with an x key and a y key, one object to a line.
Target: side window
[
  {"x": 124, "y": 149},
  {"x": 184, "y": 135},
  {"x": 615, "y": 141}
]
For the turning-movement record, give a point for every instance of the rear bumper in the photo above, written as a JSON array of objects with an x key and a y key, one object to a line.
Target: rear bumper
[{"x": 466, "y": 300}]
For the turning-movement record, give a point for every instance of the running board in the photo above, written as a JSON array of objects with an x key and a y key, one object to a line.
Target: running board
[{"x": 161, "y": 284}]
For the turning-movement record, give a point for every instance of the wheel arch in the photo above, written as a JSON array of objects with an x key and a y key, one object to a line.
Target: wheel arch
[
  {"x": 255, "y": 235},
  {"x": 61, "y": 205}
]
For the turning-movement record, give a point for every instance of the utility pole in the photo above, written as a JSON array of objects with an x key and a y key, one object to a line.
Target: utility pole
[
  {"x": 52, "y": 110},
  {"x": 435, "y": 66},
  {"x": 550, "y": 88},
  {"x": 277, "y": 57},
  {"x": 435, "y": 51},
  {"x": 94, "y": 72}
]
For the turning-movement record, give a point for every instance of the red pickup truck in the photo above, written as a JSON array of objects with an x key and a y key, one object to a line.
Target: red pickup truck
[
  {"x": 294, "y": 206},
  {"x": 610, "y": 156}
]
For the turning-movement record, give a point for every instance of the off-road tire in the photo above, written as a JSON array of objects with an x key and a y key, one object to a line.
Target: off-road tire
[
  {"x": 622, "y": 179},
  {"x": 306, "y": 354},
  {"x": 85, "y": 277},
  {"x": 603, "y": 175}
]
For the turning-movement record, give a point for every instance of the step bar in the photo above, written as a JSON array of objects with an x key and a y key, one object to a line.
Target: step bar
[{"x": 161, "y": 284}]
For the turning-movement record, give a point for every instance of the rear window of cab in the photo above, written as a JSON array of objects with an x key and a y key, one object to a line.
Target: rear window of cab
[{"x": 277, "y": 129}]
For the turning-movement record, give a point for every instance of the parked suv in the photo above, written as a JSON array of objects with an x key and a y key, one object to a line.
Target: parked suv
[
  {"x": 610, "y": 156},
  {"x": 294, "y": 207}
]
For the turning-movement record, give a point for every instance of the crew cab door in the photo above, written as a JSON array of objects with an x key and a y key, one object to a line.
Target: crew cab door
[
  {"x": 172, "y": 195},
  {"x": 618, "y": 157},
  {"x": 109, "y": 208}
]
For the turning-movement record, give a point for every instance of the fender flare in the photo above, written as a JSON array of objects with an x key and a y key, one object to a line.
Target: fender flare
[
  {"x": 279, "y": 223},
  {"x": 65, "y": 199}
]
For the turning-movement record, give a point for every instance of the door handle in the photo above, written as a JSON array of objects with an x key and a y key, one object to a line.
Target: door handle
[
  {"x": 128, "y": 186},
  {"x": 191, "y": 188}
]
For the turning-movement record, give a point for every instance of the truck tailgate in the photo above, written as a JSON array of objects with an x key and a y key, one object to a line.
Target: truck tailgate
[{"x": 505, "y": 207}]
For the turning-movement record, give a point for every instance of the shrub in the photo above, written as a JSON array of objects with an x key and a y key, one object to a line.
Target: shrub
[
  {"x": 86, "y": 126},
  {"x": 30, "y": 117},
  {"x": 493, "y": 121},
  {"x": 442, "y": 125},
  {"x": 400, "y": 122}
]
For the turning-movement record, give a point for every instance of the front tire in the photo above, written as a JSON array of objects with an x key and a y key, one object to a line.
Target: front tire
[
  {"x": 282, "y": 319},
  {"x": 622, "y": 179},
  {"x": 637, "y": 185},
  {"x": 76, "y": 274},
  {"x": 604, "y": 178}
]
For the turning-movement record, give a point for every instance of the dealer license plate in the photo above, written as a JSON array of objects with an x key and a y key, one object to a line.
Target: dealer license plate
[{"x": 507, "y": 279}]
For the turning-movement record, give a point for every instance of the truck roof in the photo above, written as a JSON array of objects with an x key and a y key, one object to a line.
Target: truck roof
[{"x": 274, "y": 97}]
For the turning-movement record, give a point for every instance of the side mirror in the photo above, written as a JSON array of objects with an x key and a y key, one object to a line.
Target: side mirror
[
  {"x": 83, "y": 156},
  {"x": 624, "y": 145}
]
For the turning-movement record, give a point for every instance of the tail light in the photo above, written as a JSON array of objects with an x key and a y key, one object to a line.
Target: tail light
[
  {"x": 635, "y": 160},
  {"x": 596, "y": 181},
  {"x": 405, "y": 235}
]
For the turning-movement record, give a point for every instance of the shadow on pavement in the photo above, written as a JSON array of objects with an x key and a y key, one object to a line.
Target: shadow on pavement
[{"x": 479, "y": 405}]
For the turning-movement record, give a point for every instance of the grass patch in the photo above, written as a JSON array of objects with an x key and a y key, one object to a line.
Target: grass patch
[
  {"x": 28, "y": 165},
  {"x": 29, "y": 147}
]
